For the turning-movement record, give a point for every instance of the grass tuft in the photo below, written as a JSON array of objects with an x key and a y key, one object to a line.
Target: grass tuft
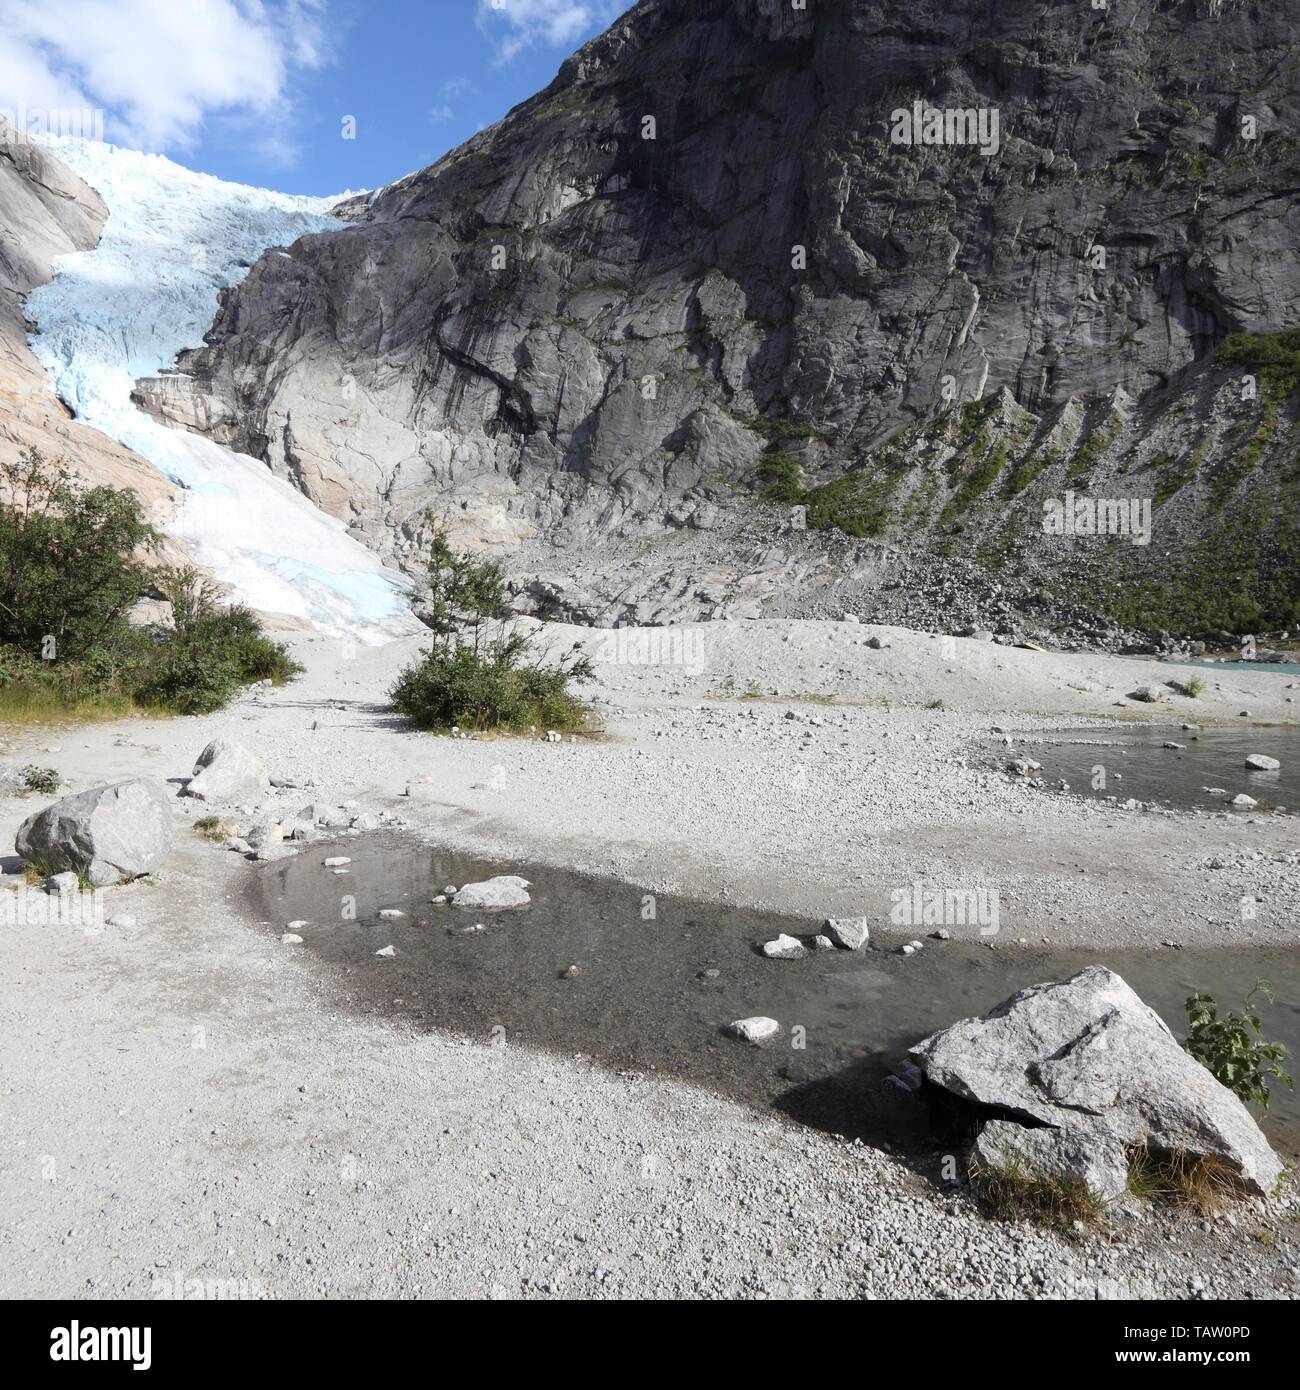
[
  {"x": 1017, "y": 1193},
  {"x": 1191, "y": 1181}
]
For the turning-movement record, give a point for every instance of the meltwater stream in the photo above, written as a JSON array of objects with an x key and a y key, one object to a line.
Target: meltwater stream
[
  {"x": 1204, "y": 772},
  {"x": 653, "y": 994}
]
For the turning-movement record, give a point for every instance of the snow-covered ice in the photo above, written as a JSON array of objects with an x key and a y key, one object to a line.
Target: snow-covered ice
[{"x": 173, "y": 239}]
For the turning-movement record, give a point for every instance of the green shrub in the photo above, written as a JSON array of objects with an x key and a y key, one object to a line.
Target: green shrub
[
  {"x": 780, "y": 478},
  {"x": 187, "y": 680},
  {"x": 981, "y": 473},
  {"x": 41, "y": 779},
  {"x": 68, "y": 578},
  {"x": 1273, "y": 356},
  {"x": 66, "y": 566},
  {"x": 491, "y": 687},
  {"x": 1230, "y": 1049},
  {"x": 476, "y": 679},
  {"x": 227, "y": 637},
  {"x": 856, "y": 504}
]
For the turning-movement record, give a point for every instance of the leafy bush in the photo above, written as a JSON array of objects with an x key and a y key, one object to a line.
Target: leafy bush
[
  {"x": 478, "y": 680},
  {"x": 1273, "y": 356},
  {"x": 187, "y": 680},
  {"x": 230, "y": 636},
  {"x": 855, "y": 504},
  {"x": 1230, "y": 1048},
  {"x": 66, "y": 566},
  {"x": 490, "y": 687},
  {"x": 780, "y": 478},
  {"x": 68, "y": 577}
]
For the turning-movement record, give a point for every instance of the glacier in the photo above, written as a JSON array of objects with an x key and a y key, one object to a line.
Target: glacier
[{"x": 173, "y": 239}]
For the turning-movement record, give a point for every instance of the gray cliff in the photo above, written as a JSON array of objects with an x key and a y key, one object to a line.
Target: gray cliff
[{"x": 619, "y": 361}]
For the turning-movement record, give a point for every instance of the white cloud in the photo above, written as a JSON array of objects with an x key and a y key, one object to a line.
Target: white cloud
[
  {"x": 158, "y": 68},
  {"x": 453, "y": 89},
  {"x": 559, "y": 23}
]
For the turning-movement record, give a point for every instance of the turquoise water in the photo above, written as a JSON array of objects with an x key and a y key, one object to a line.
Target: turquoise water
[{"x": 1283, "y": 668}]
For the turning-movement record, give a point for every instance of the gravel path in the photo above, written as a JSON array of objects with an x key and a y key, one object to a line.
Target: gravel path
[{"x": 181, "y": 1099}]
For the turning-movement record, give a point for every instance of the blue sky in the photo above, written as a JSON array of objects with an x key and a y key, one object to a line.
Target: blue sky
[{"x": 257, "y": 91}]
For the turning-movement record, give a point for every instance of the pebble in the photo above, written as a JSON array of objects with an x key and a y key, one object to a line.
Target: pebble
[{"x": 754, "y": 1030}]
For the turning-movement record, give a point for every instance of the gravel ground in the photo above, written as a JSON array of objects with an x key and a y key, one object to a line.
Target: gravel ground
[{"x": 183, "y": 1100}]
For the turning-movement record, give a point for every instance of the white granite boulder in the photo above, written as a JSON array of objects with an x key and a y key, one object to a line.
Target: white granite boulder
[{"x": 109, "y": 834}]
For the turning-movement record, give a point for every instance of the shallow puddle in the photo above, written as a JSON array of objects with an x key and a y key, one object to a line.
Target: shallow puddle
[
  {"x": 1203, "y": 774},
  {"x": 654, "y": 993}
]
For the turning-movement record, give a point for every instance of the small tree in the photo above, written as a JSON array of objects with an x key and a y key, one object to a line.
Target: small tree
[
  {"x": 463, "y": 592},
  {"x": 66, "y": 566},
  {"x": 476, "y": 676},
  {"x": 1230, "y": 1048}
]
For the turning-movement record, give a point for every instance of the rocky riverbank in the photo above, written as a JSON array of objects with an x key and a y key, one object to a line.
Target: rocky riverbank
[{"x": 183, "y": 1096}]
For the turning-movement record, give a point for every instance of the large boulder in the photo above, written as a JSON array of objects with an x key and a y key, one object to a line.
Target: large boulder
[
  {"x": 227, "y": 771},
  {"x": 109, "y": 833},
  {"x": 1087, "y": 1054}
]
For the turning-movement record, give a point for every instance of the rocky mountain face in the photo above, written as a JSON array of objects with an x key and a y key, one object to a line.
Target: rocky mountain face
[
  {"x": 695, "y": 332},
  {"x": 45, "y": 212}
]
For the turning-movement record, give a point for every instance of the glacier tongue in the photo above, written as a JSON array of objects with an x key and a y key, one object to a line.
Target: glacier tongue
[{"x": 124, "y": 310}]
